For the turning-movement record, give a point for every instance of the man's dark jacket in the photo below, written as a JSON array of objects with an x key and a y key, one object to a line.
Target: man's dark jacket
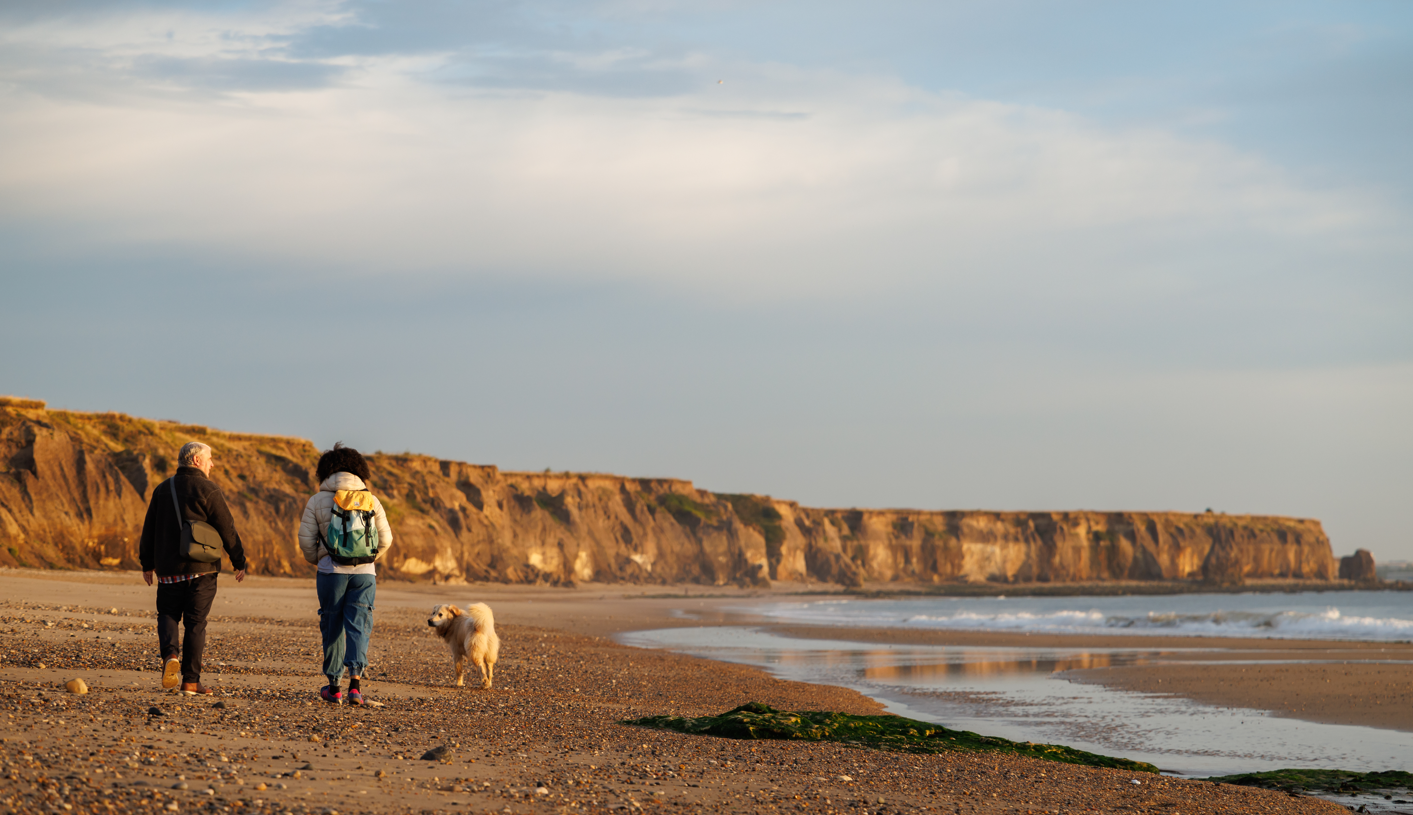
[{"x": 201, "y": 500}]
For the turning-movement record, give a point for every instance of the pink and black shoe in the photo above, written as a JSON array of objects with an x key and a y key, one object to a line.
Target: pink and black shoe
[
  {"x": 355, "y": 696},
  {"x": 333, "y": 696}
]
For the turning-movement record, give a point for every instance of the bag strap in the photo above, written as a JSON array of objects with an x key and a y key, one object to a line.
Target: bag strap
[{"x": 176, "y": 507}]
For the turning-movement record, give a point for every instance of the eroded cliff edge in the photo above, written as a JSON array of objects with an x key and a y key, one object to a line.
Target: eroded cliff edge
[{"x": 74, "y": 488}]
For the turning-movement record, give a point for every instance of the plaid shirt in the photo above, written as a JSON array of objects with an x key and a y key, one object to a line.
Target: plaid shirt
[{"x": 181, "y": 578}]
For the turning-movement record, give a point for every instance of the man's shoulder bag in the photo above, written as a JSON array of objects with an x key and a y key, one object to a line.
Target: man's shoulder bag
[{"x": 200, "y": 540}]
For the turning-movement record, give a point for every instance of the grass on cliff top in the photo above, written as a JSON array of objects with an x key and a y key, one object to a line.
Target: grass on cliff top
[
  {"x": 1335, "y": 781},
  {"x": 757, "y": 721},
  {"x": 687, "y": 512}
]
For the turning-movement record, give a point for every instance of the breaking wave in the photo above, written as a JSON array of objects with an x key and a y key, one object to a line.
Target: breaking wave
[
  {"x": 1298, "y": 620},
  {"x": 1327, "y": 624}
]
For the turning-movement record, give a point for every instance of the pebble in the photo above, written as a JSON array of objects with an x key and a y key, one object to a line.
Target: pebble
[
  {"x": 77, "y": 686},
  {"x": 435, "y": 754}
]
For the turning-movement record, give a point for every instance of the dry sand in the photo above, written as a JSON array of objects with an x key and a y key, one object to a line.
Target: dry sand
[{"x": 546, "y": 739}]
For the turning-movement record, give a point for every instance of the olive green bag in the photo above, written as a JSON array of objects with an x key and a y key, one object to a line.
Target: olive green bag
[{"x": 200, "y": 540}]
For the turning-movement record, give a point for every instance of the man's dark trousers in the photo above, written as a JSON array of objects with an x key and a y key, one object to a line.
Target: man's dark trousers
[{"x": 186, "y": 602}]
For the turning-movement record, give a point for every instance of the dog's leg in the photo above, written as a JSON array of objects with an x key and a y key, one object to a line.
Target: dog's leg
[
  {"x": 460, "y": 671},
  {"x": 489, "y": 673}
]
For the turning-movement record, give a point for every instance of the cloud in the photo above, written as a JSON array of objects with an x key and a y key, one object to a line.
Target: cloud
[
  {"x": 867, "y": 184},
  {"x": 250, "y": 75},
  {"x": 486, "y": 141}
]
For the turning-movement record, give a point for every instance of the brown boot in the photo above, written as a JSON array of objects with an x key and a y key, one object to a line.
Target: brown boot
[{"x": 195, "y": 689}]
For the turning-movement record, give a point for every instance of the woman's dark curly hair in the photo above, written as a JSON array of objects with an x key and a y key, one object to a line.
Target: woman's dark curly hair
[{"x": 341, "y": 459}]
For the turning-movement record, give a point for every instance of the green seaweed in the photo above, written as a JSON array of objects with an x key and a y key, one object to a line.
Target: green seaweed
[
  {"x": 757, "y": 721},
  {"x": 1329, "y": 781}
]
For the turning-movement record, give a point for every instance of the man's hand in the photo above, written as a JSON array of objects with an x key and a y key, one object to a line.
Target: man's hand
[
  {"x": 148, "y": 577},
  {"x": 240, "y": 575}
]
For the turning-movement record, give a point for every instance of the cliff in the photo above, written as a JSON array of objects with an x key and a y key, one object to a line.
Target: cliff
[{"x": 74, "y": 489}]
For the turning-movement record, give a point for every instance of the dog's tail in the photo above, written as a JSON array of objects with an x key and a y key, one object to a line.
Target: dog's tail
[
  {"x": 485, "y": 621},
  {"x": 481, "y": 613}
]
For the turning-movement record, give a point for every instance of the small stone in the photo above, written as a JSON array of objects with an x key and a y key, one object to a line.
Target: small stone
[
  {"x": 181, "y": 786},
  {"x": 40, "y": 666},
  {"x": 155, "y": 711},
  {"x": 219, "y": 706},
  {"x": 846, "y": 778},
  {"x": 314, "y": 739},
  {"x": 371, "y": 703},
  {"x": 542, "y": 790},
  {"x": 435, "y": 754},
  {"x": 261, "y": 787},
  {"x": 76, "y": 686},
  {"x": 380, "y": 774}
]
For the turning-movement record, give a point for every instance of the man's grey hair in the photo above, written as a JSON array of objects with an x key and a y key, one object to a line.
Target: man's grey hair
[{"x": 189, "y": 452}]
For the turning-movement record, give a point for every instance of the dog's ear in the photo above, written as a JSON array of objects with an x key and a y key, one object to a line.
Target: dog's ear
[{"x": 454, "y": 611}]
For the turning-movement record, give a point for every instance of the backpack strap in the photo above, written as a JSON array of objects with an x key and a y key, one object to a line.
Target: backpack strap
[{"x": 368, "y": 530}]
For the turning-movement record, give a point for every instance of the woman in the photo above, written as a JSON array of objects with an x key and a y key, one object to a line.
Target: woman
[{"x": 344, "y": 531}]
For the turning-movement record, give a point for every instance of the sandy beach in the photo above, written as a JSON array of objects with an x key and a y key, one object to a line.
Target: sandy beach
[{"x": 547, "y": 738}]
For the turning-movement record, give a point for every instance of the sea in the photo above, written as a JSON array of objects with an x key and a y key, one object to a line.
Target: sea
[{"x": 1028, "y": 693}]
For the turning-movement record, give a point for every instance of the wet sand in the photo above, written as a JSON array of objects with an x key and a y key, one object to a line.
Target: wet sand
[
  {"x": 1354, "y": 683},
  {"x": 546, "y": 739}
]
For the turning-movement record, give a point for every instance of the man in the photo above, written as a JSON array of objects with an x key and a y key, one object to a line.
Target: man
[{"x": 185, "y": 588}]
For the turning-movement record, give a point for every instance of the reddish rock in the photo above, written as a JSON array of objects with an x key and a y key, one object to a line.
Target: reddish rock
[{"x": 1358, "y": 567}]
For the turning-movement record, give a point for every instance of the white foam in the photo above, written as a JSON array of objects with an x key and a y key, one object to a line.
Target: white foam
[{"x": 1301, "y": 619}]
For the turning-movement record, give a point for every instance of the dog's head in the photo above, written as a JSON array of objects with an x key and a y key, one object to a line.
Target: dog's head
[{"x": 442, "y": 616}]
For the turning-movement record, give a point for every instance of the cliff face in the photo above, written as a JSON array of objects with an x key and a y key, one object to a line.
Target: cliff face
[{"x": 74, "y": 489}]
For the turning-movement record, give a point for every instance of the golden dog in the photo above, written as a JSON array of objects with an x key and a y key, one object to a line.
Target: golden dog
[{"x": 470, "y": 633}]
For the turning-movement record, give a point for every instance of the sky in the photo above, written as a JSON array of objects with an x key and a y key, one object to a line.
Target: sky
[{"x": 943, "y": 255}]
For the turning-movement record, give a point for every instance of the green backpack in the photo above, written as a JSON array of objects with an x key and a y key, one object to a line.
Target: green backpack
[{"x": 352, "y": 537}]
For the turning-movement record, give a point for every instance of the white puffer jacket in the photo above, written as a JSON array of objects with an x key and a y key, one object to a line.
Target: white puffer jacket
[{"x": 320, "y": 510}]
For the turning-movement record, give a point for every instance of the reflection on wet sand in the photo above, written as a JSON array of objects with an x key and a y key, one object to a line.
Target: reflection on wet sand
[
  {"x": 975, "y": 664},
  {"x": 932, "y": 666}
]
